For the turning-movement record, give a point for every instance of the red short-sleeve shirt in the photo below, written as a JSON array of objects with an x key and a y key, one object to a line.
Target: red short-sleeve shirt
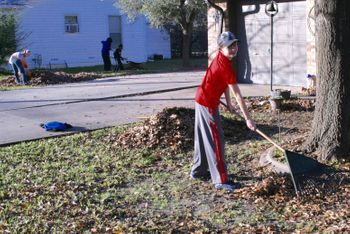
[{"x": 217, "y": 78}]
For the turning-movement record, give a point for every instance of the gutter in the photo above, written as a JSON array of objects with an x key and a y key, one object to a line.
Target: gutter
[{"x": 221, "y": 12}]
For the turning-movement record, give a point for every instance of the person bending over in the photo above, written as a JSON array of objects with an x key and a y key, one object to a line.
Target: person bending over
[{"x": 16, "y": 61}]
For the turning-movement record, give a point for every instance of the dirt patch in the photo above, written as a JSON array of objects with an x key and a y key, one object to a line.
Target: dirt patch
[{"x": 46, "y": 77}]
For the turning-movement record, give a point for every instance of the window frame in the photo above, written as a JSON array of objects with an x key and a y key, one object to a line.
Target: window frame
[{"x": 71, "y": 27}]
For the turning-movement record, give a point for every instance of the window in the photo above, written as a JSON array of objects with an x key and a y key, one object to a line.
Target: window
[{"x": 71, "y": 24}]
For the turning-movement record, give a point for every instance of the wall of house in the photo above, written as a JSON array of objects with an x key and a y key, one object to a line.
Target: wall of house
[
  {"x": 157, "y": 43},
  {"x": 134, "y": 37},
  {"x": 289, "y": 44},
  {"x": 251, "y": 20},
  {"x": 310, "y": 38},
  {"x": 45, "y": 21},
  {"x": 143, "y": 41}
]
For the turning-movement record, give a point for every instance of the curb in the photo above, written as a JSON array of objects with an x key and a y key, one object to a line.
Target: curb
[{"x": 110, "y": 97}]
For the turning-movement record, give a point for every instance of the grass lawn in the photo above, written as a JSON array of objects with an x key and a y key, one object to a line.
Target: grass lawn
[
  {"x": 84, "y": 183},
  {"x": 158, "y": 66},
  {"x": 166, "y": 65}
]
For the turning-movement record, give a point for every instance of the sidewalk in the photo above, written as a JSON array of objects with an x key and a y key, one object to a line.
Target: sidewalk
[{"x": 99, "y": 103}]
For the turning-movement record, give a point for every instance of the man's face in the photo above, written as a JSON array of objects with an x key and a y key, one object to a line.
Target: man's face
[{"x": 230, "y": 51}]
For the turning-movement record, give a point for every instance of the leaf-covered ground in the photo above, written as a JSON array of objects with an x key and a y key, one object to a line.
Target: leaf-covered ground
[
  {"x": 47, "y": 77},
  {"x": 93, "y": 183}
]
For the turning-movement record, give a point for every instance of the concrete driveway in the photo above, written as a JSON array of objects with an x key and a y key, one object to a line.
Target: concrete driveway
[{"x": 99, "y": 103}]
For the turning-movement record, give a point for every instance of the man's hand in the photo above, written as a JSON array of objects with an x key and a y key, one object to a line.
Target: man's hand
[
  {"x": 251, "y": 124},
  {"x": 232, "y": 109}
]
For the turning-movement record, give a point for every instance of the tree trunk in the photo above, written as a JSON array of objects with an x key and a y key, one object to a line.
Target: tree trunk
[
  {"x": 187, "y": 30},
  {"x": 186, "y": 44},
  {"x": 330, "y": 134}
]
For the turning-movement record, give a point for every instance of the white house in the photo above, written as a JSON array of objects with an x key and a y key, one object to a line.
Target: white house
[{"x": 71, "y": 31}]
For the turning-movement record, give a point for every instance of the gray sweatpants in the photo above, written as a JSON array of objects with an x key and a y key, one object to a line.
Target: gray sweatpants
[{"x": 209, "y": 145}]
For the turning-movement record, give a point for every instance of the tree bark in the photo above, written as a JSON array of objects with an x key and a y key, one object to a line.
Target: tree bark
[
  {"x": 186, "y": 44},
  {"x": 330, "y": 134},
  {"x": 187, "y": 30}
]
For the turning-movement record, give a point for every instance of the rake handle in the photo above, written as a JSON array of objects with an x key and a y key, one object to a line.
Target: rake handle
[
  {"x": 269, "y": 139},
  {"x": 256, "y": 130}
]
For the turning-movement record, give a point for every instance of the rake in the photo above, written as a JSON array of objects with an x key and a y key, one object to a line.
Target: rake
[{"x": 300, "y": 166}]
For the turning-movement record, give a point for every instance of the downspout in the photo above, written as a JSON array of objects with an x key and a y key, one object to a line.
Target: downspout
[{"x": 221, "y": 12}]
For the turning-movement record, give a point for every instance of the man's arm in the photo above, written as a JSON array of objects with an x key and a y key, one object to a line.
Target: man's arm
[
  {"x": 228, "y": 100},
  {"x": 237, "y": 93}
]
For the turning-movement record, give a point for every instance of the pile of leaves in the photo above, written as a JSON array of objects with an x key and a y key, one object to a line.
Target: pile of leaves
[
  {"x": 308, "y": 91},
  {"x": 171, "y": 128},
  {"x": 46, "y": 77},
  {"x": 272, "y": 185},
  {"x": 299, "y": 105},
  {"x": 321, "y": 183}
]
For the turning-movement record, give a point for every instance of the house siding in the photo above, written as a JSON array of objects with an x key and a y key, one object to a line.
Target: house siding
[
  {"x": 134, "y": 40},
  {"x": 157, "y": 43},
  {"x": 289, "y": 44},
  {"x": 310, "y": 38},
  {"x": 45, "y": 22},
  {"x": 296, "y": 27}
]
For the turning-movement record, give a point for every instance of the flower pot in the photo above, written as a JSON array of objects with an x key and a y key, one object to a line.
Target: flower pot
[
  {"x": 276, "y": 103},
  {"x": 277, "y": 93},
  {"x": 285, "y": 94}
]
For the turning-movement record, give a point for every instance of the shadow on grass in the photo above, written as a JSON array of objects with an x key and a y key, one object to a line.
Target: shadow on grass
[{"x": 236, "y": 131}]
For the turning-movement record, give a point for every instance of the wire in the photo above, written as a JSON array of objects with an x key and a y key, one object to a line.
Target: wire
[{"x": 311, "y": 16}]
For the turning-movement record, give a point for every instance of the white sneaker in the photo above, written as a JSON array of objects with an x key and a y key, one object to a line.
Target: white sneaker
[{"x": 229, "y": 187}]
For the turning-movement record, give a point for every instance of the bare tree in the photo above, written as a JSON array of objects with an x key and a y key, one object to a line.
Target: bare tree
[{"x": 330, "y": 133}]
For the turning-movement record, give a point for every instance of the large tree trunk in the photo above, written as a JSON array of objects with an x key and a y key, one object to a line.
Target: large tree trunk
[
  {"x": 187, "y": 30},
  {"x": 330, "y": 134},
  {"x": 186, "y": 44}
]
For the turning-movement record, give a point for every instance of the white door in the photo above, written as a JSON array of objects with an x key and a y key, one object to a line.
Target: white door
[
  {"x": 115, "y": 30},
  {"x": 289, "y": 49}
]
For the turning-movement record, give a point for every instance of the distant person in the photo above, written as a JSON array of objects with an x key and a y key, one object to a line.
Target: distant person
[
  {"x": 17, "y": 60},
  {"x": 106, "y": 47},
  {"x": 209, "y": 146},
  {"x": 118, "y": 58}
]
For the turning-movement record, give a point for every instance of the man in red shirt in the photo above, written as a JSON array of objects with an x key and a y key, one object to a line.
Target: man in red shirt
[{"x": 209, "y": 139}]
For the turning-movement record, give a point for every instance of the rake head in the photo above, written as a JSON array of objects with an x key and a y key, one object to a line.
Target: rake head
[{"x": 312, "y": 177}]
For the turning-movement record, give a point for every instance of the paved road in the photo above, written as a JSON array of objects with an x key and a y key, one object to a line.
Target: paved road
[
  {"x": 97, "y": 89},
  {"x": 99, "y": 103}
]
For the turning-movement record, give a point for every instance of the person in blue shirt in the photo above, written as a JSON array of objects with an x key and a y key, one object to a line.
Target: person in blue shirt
[{"x": 106, "y": 47}]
